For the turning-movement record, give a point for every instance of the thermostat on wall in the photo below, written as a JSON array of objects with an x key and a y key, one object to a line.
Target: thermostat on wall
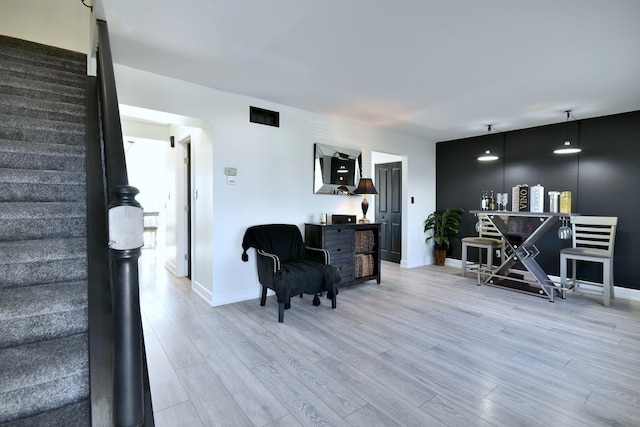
[{"x": 230, "y": 171}]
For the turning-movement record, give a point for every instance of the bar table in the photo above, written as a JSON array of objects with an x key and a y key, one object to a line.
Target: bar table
[{"x": 521, "y": 230}]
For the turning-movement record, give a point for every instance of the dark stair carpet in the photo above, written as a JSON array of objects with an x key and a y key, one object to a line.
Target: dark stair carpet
[{"x": 44, "y": 367}]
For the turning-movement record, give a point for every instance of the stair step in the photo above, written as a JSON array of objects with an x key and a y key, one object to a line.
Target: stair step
[
  {"x": 22, "y": 86},
  {"x": 42, "y": 109},
  {"x": 42, "y": 131},
  {"x": 42, "y": 220},
  {"x": 13, "y": 66},
  {"x": 75, "y": 414},
  {"x": 27, "y": 185},
  {"x": 44, "y": 56},
  {"x": 42, "y": 376},
  {"x": 33, "y": 155},
  {"x": 45, "y": 312},
  {"x": 34, "y": 262}
]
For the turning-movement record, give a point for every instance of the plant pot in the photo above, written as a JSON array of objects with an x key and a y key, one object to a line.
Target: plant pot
[{"x": 440, "y": 255}]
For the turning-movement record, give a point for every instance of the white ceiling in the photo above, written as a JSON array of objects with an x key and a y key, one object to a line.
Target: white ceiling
[{"x": 433, "y": 68}]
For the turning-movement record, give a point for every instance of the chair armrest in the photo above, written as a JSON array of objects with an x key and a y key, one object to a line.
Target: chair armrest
[
  {"x": 266, "y": 257},
  {"x": 318, "y": 255}
]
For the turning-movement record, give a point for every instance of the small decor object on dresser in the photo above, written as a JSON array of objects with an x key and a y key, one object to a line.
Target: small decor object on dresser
[
  {"x": 343, "y": 219},
  {"x": 365, "y": 186}
]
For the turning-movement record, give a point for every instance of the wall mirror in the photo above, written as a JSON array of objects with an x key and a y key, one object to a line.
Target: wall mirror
[{"x": 336, "y": 170}]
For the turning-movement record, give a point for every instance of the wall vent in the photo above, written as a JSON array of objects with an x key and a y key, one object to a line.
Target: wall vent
[{"x": 264, "y": 117}]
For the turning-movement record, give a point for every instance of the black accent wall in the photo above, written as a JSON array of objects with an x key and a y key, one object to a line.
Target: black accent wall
[{"x": 604, "y": 180}]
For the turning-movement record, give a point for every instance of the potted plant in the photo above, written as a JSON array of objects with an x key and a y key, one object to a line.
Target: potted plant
[{"x": 443, "y": 226}]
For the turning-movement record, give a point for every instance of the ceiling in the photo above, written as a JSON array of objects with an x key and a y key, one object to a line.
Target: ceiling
[{"x": 435, "y": 69}]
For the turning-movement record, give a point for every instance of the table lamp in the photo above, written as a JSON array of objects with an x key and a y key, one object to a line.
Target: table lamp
[{"x": 365, "y": 186}]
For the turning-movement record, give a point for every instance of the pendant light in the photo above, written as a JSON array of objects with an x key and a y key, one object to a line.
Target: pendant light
[
  {"x": 567, "y": 148},
  {"x": 487, "y": 156}
]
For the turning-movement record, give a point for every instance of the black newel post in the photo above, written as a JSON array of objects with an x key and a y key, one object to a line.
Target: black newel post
[{"x": 125, "y": 240}]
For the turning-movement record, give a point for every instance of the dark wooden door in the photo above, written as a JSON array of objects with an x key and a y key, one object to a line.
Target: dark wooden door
[{"x": 389, "y": 209}]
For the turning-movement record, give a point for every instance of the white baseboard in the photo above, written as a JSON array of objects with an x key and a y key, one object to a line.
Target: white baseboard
[
  {"x": 621, "y": 292},
  {"x": 404, "y": 263},
  {"x": 237, "y": 296},
  {"x": 171, "y": 267},
  {"x": 201, "y": 291}
]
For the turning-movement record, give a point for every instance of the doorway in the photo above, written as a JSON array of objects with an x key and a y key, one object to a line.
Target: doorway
[{"x": 389, "y": 209}]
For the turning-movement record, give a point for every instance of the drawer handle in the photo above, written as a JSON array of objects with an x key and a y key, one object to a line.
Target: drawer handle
[{"x": 339, "y": 249}]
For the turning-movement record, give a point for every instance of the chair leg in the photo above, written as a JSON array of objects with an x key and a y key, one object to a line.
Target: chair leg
[
  {"x": 263, "y": 298},
  {"x": 612, "y": 287},
  {"x": 606, "y": 283},
  {"x": 464, "y": 260},
  {"x": 280, "y": 312},
  {"x": 333, "y": 300}
]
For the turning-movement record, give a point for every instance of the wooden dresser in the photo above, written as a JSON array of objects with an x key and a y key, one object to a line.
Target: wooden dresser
[{"x": 354, "y": 249}]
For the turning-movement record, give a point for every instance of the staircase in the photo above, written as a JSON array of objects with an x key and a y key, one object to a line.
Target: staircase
[{"x": 44, "y": 368}]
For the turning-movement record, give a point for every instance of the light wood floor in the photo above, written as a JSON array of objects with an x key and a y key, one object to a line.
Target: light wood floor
[{"x": 424, "y": 348}]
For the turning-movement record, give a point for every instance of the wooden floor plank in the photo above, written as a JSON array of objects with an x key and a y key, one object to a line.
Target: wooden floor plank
[
  {"x": 261, "y": 406},
  {"x": 313, "y": 375},
  {"x": 210, "y": 397},
  {"x": 182, "y": 414},
  {"x": 301, "y": 402},
  {"x": 166, "y": 388}
]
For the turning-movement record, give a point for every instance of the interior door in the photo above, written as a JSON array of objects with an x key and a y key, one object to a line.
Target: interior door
[{"x": 389, "y": 209}]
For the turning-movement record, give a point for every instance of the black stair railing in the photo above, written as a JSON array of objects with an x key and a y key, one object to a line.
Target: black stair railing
[{"x": 118, "y": 369}]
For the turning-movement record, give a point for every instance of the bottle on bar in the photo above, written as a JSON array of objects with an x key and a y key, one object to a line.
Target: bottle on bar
[
  {"x": 484, "y": 202},
  {"x": 492, "y": 202}
]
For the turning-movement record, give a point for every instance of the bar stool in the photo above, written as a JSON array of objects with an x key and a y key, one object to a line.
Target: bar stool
[
  {"x": 489, "y": 239},
  {"x": 592, "y": 240}
]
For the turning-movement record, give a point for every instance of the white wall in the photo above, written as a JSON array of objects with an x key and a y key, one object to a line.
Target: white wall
[
  {"x": 61, "y": 23},
  {"x": 275, "y": 171}
]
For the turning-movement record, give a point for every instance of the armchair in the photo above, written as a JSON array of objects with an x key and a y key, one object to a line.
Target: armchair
[{"x": 287, "y": 267}]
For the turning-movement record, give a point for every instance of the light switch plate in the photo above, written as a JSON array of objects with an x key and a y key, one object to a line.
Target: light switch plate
[{"x": 231, "y": 180}]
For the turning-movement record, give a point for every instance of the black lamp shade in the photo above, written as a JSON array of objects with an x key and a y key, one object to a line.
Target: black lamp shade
[{"x": 365, "y": 186}]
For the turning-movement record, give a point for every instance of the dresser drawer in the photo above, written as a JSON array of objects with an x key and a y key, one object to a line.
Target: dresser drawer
[
  {"x": 338, "y": 234},
  {"x": 339, "y": 248},
  {"x": 344, "y": 265}
]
